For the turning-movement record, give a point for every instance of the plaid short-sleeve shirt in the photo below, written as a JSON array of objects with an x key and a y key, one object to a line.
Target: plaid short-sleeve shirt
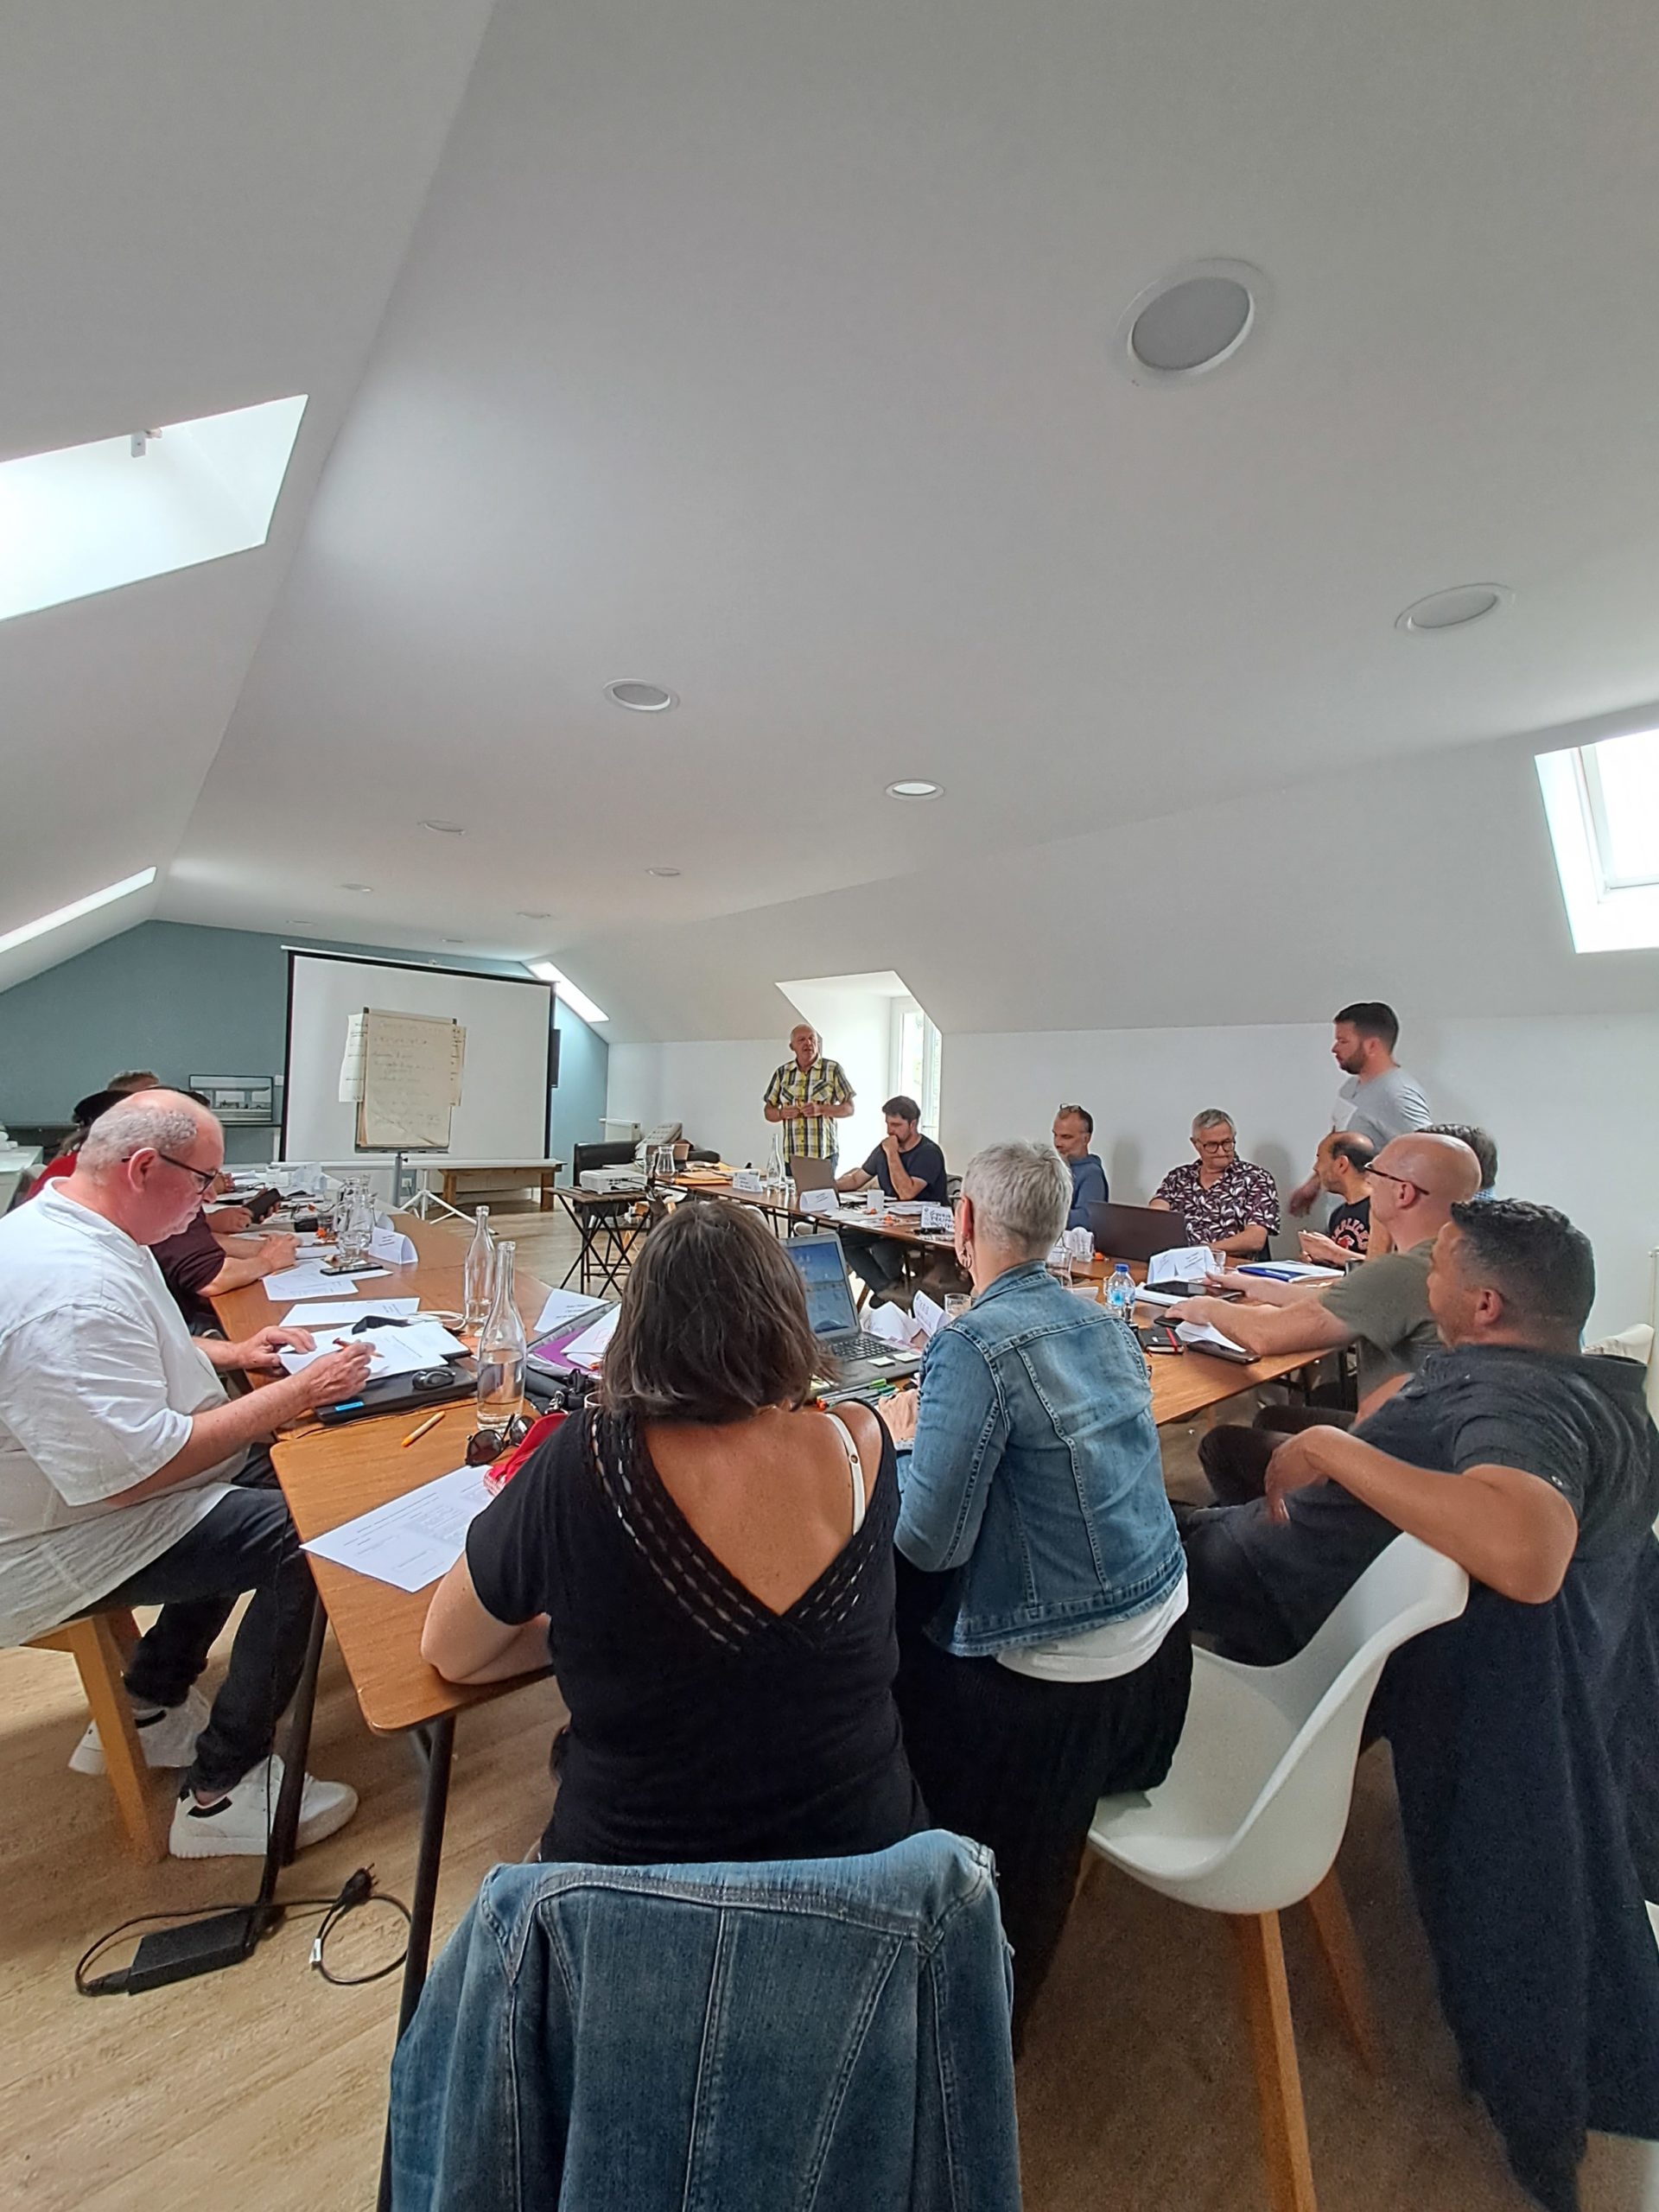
[{"x": 823, "y": 1084}]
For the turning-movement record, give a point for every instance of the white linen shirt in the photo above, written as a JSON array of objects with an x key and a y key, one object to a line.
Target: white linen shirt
[{"x": 99, "y": 1378}]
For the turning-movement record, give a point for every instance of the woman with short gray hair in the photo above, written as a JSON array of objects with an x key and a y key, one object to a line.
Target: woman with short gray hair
[{"x": 1045, "y": 1660}]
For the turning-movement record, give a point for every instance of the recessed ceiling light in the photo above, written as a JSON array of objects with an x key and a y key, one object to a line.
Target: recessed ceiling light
[
  {"x": 642, "y": 698},
  {"x": 915, "y": 790},
  {"x": 1451, "y": 610},
  {"x": 357, "y": 886},
  {"x": 1191, "y": 321},
  {"x": 535, "y": 914},
  {"x": 445, "y": 829},
  {"x": 662, "y": 871}
]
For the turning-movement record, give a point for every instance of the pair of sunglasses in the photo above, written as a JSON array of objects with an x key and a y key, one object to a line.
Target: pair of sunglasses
[{"x": 486, "y": 1445}]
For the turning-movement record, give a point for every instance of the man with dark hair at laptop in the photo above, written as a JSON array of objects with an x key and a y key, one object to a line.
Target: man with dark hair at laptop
[
  {"x": 1074, "y": 1133},
  {"x": 1554, "y": 1455},
  {"x": 909, "y": 1168},
  {"x": 1382, "y": 1307},
  {"x": 1379, "y": 1100}
]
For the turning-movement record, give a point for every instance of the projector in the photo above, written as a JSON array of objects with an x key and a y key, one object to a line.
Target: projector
[{"x": 613, "y": 1182}]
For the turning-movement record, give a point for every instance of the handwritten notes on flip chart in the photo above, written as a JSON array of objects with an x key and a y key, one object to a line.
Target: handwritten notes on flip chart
[{"x": 404, "y": 1071}]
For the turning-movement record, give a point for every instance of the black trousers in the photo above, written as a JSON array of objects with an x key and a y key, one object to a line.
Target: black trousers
[
  {"x": 1235, "y": 1458},
  {"x": 878, "y": 1259},
  {"x": 247, "y": 1542},
  {"x": 1018, "y": 1764}
]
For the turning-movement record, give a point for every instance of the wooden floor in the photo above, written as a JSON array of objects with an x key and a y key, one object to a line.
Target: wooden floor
[{"x": 264, "y": 2087}]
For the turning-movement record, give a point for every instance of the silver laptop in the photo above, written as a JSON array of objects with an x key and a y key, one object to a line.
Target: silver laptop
[
  {"x": 811, "y": 1174},
  {"x": 859, "y": 1356}
]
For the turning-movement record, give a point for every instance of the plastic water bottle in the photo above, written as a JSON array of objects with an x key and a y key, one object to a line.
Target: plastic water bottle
[
  {"x": 1120, "y": 1293},
  {"x": 478, "y": 1278}
]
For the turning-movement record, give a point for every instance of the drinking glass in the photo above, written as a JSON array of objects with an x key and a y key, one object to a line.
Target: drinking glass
[
  {"x": 956, "y": 1303},
  {"x": 1059, "y": 1264}
]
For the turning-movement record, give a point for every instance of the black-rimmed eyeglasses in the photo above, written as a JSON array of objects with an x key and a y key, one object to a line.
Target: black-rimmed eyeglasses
[{"x": 205, "y": 1177}]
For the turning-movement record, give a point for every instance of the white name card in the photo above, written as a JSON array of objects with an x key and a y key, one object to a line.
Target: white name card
[
  {"x": 820, "y": 1202},
  {"x": 745, "y": 1179},
  {"x": 936, "y": 1220}
]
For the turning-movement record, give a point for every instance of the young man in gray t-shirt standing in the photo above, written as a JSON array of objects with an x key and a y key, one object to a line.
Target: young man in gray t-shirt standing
[{"x": 1379, "y": 1100}]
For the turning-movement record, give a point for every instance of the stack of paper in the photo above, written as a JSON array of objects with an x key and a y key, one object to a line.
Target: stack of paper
[
  {"x": 1191, "y": 1263},
  {"x": 415, "y": 1538},
  {"x": 587, "y": 1350},
  {"x": 330, "y": 1314},
  {"x": 562, "y": 1306},
  {"x": 403, "y": 1350},
  {"x": 1198, "y": 1335}
]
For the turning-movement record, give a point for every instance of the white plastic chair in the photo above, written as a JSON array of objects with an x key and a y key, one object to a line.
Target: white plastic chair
[{"x": 1253, "y": 1812}]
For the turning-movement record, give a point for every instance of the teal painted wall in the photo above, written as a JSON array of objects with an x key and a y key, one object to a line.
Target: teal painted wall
[{"x": 188, "y": 1002}]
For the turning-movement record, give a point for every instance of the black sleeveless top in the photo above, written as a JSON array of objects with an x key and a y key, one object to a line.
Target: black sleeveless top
[{"x": 703, "y": 1726}]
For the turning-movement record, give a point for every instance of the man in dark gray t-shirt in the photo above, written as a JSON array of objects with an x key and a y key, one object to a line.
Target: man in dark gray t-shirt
[{"x": 1554, "y": 1452}]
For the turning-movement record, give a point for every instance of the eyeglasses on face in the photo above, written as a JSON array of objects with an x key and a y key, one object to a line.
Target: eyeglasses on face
[
  {"x": 1215, "y": 1144},
  {"x": 1404, "y": 1181},
  {"x": 205, "y": 1177}
]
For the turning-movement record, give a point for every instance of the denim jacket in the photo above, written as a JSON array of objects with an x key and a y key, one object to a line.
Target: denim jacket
[
  {"x": 1035, "y": 1473},
  {"x": 803, "y": 2035}
]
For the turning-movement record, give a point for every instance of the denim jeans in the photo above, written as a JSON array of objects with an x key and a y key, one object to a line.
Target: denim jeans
[
  {"x": 803, "y": 2035},
  {"x": 247, "y": 1542}
]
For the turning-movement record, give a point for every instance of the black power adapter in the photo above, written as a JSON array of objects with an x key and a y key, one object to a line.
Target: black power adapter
[{"x": 196, "y": 1947}]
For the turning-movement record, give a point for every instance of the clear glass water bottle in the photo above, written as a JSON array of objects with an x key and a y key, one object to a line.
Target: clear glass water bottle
[
  {"x": 479, "y": 1278},
  {"x": 501, "y": 1348},
  {"x": 1120, "y": 1293}
]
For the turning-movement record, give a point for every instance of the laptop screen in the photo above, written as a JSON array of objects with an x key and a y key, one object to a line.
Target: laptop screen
[{"x": 823, "y": 1276}]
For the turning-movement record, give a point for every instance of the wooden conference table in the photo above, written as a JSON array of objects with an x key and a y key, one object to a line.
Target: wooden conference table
[{"x": 331, "y": 1475}]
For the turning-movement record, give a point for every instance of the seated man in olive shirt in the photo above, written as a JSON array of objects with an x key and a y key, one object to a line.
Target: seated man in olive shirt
[
  {"x": 1511, "y": 1452},
  {"x": 1381, "y": 1307}
]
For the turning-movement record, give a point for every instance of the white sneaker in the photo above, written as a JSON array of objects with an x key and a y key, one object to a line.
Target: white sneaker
[
  {"x": 168, "y": 1733},
  {"x": 239, "y": 1825}
]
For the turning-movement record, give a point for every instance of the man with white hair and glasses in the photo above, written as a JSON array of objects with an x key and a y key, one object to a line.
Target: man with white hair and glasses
[
  {"x": 129, "y": 1477},
  {"x": 1227, "y": 1202}
]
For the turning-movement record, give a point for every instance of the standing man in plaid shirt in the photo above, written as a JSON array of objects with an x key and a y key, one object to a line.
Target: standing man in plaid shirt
[{"x": 809, "y": 1095}]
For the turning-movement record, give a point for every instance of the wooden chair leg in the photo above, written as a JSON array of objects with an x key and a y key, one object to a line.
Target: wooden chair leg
[
  {"x": 1278, "y": 2078},
  {"x": 99, "y": 1656},
  {"x": 1340, "y": 1947}
]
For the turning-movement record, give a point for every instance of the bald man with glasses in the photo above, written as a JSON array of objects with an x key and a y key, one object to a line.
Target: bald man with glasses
[{"x": 1381, "y": 1307}]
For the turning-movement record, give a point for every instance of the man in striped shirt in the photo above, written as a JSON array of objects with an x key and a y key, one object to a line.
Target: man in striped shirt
[{"x": 809, "y": 1095}]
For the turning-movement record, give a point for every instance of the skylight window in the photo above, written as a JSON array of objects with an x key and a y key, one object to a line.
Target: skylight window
[
  {"x": 577, "y": 1000},
  {"x": 88, "y": 519},
  {"x": 1602, "y": 802}
]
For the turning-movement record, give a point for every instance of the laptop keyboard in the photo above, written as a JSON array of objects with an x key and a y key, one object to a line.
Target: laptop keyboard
[{"x": 863, "y": 1346}]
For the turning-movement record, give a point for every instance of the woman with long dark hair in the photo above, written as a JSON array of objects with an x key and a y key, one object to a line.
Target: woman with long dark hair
[{"x": 709, "y": 1563}]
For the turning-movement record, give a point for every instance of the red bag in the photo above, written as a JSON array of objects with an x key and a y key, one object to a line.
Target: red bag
[{"x": 501, "y": 1472}]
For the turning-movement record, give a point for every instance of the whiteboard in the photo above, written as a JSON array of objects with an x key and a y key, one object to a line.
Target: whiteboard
[{"x": 503, "y": 1110}]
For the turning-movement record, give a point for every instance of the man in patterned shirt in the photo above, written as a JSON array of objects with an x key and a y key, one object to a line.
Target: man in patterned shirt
[
  {"x": 809, "y": 1095},
  {"x": 1227, "y": 1202}
]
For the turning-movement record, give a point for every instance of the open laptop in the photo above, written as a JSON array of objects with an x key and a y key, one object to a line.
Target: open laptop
[
  {"x": 811, "y": 1174},
  {"x": 1135, "y": 1232},
  {"x": 859, "y": 1358}
]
